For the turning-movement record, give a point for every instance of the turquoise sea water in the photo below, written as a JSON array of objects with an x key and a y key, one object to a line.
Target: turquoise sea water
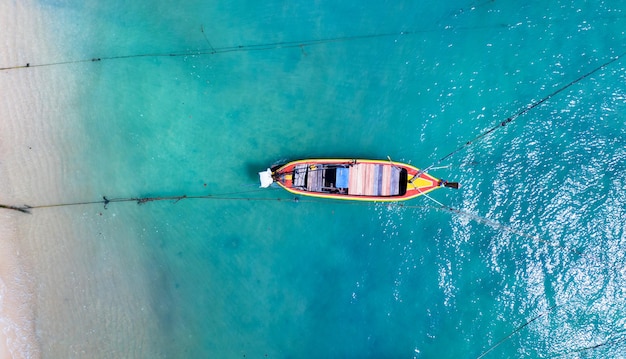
[{"x": 535, "y": 258}]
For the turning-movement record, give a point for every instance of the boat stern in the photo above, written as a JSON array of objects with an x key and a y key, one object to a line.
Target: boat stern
[{"x": 266, "y": 178}]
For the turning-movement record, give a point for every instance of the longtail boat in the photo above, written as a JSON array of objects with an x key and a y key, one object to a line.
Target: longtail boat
[{"x": 353, "y": 179}]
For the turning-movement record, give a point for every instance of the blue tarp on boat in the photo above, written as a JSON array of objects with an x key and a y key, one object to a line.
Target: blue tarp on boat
[{"x": 342, "y": 177}]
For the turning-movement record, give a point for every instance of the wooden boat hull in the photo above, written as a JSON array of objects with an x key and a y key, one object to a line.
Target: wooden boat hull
[{"x": 353, "y": 179}]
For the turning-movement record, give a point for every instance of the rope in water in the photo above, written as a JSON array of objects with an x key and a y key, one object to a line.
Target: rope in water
[
  {"x": 489, "y": 222},
  {"x": 486, "y": 133},
  {"x": 142, "y": 200},
  {"x": 258, "y": 47},
  {"x": 222, "y": 50},
  {"x": 504, "y": 339},
  {"x": 521, "y": 112},
  {"x": 237, "y": 196},
  {"x": 611, "y": 341},
  {"x": 234, "y": 196}
]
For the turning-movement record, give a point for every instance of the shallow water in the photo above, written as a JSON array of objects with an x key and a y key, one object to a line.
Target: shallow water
[{"x": 540, "y": 240}]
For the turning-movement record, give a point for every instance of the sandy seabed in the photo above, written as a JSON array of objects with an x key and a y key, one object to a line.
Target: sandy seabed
[
  {"x": 63, "y": 293},
  {"x": 23, "y": 124}
]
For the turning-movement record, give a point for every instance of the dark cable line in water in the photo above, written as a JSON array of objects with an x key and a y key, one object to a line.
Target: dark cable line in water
[
  {"x": 236, "y": 196},
  {"x": 224, "y": 196},
  {"x": 142, "y": 200},
  {"x": 278, "y": 45},
  {"x": 246, "y": 48},
  {"x": 515, "y": 331},
  {"x": 254, "y": 47},
  {"x": 301, "y": 44},
  {"x": 606, "y": 343},
  {"x": 239, "y": 48},
  {"x": 285, "y": 44},
  {"x": 523, "y": 111},
  {"x": 206, "y": 38},
  {"x": 487, "y": 221},
  {"x": 226, "y": 49},
  {"x": 491, "y": 223},
  {"x": 105, "y": 201}
]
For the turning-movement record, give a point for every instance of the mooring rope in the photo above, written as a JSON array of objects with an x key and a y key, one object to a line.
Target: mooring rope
[
  {"x": 612, "y": 340},
  {"x": 521, "y": 112},
  {"x": 237, "y": 195},
  {"x": 234, "y": 196},
  {"x": 516, "y": 330},
  {"x": 222, "y": 50},
  {"x": 259, "y": 47},
  {"x": 609, "y": 342},
  {"x": 489, "y": 222},
  {"x": 486, "y": 133},
  {"x": 142, "y": 200}
]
